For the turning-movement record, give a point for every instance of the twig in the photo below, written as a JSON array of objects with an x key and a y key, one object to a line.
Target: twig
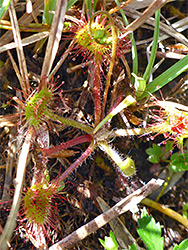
[
  {"x": 120, "y": 208},
  {"x": 24, "y": 19},
  {"x": 21, "y": 167},
  {"x": 54, "y": 39},
  {"x": 153, "y": 7},
  {"x": 25, "y": 41},
  {"x": 20, "y": 53},
  {"x": 123, "y": 5},
  {"x": 169, "y": 31},
  {"x": 9, "y": 165}
]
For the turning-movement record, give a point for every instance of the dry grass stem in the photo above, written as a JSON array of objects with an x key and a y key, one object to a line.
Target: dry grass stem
[
  {"x": 54, "y": 39},
  {"x": 20, "y": 53},
  {"x": 25, "y": 41},
  {"x": 154, "y": 6},
  {"x": 24, "y": 19},
  {"x": 21, "y": 168}
]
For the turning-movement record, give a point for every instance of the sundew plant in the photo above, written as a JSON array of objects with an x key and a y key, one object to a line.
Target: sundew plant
[{"x": 104, "y": 95}]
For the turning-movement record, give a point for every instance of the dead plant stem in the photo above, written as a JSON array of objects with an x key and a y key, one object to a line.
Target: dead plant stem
[{"x": 21, "y": 168}]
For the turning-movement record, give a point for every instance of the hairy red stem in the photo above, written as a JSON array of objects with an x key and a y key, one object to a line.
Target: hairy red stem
[
  {"x": 97, "y": 91},
  {"x": 65, "y": 145},
  {"x": 78, "y": 162}
]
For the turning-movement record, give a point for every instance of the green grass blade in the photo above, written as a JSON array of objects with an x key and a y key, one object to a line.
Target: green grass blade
[
  {"x": 49, "y": 6},
  {"x": 71, "y": 3},
  {"x": 134, "y": 50},
  {"x": 3, "y": 6},
  {"x": 154, "y": 47},
  {"x": 89, "y": 7},
  {"x": 166, "y": 77}
]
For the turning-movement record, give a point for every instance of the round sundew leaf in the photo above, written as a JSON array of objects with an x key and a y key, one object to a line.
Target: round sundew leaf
[
  {"x": 37, "y": 203},
  {"x": 36, "y": 107},
  {"x": 93, "y": 42}
]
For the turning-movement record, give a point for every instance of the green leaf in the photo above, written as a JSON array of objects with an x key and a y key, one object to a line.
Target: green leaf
[
  {"x": 154, "y": 153},
  {"x": 150, "y": 232},
  {"x": 89, "y": 7},
  {"x": 179, "y": 162},
  {"x": 133, "y": 247},
  {"x": 182, "y": 246},
  {"x": 134, "y": 50},
  {"x": 154, "y": 47},
  {"x": 49, "y": 7}
]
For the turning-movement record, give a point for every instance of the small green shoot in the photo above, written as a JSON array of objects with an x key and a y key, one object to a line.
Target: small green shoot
[
  {"x": 154, "y": 47},
  {"x": 134, "y": 50},
  {"x": 109, "y": 243},
  {"x": 150, "y": 232},
  {"x": 185, "y": 211},
  {"x": 139, "y": 84}
]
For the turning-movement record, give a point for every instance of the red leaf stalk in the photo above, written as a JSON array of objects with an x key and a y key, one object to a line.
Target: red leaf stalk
[
  {"x": 65, "y": 145},
  {"x": 79, "y": 161},
  {"x": 97, "y": 91}
]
